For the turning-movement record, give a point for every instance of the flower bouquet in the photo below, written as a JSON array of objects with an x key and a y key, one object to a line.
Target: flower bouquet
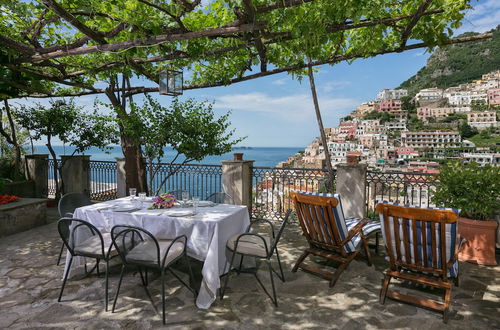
[{"x": 163, "y": 201}]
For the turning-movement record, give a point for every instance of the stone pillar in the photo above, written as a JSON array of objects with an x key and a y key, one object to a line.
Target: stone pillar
[
  {"x": 237, "y": 180},
  {"x": 37, "y": 167},
  {"x": 121, "y": 186},
  {"x": 351, "y": 185},
  {"x": 76, "y": 174}
]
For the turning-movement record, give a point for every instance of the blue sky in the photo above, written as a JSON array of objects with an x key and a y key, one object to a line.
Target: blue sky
[{"x": 277, "y": 111}]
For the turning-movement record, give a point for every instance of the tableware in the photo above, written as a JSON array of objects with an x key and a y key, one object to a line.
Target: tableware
[
  {"x": 196, "y": 202},
  {"x": 124, "y": 208},
  {"x": 132, "y": 192},
  {"x": 142, "y": 198},
  {"x": 185, "y": 197},
  {"x": 205, "y": 203},
  {"x": 178, "y": 213}
]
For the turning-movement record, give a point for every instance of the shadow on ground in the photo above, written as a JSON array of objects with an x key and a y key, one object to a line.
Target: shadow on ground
[{"x": 30, "y": 284}]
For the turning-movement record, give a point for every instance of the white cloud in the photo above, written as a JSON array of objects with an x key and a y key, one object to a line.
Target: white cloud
[
  {"x": 280, "y": 82},
  {"x": 335, "y": 85},
  {"x": 484, "y": 16},
  {"x": 292, "y": 108}
]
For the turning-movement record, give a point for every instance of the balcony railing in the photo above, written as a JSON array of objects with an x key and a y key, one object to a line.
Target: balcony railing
[
  {"x": 271, "y": 187},
  {"x": 103, "y": 180},
  {"x": 401, "y": 187}
]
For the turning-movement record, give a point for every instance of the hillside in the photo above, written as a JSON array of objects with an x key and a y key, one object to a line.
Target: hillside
[{"x": 457, "y": 64}]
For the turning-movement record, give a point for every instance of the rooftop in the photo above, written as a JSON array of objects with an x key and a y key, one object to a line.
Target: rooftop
[{"x": 30, "y": 282}]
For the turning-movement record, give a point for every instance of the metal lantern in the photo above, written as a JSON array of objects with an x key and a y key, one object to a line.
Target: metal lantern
[{"x": 171, "y": 82}]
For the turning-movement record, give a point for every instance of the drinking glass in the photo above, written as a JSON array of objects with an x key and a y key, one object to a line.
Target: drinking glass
[
  {"x": 142, "y": 198},
  {"x": 196, "y": 202},
  {"x": 132, "y": 192},
  {"x": 185, "y": 197}
]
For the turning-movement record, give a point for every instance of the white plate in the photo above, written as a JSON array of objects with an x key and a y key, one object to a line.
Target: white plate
[
  {"x": 205, "y": 203},
  {"x": 124, "y": 208},
  {"x": 179, "y": 213}
]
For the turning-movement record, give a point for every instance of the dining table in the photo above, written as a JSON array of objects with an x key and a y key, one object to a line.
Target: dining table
[{"x": 207, "y": 228}]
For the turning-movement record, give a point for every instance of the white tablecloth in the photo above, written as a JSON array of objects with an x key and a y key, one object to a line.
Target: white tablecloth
[{"x": 207, "y": 233}]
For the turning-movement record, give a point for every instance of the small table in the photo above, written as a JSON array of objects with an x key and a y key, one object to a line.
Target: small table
[{"x": 207, "y": 233}]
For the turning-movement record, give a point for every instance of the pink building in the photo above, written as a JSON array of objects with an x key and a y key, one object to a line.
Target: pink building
[
  {"x": 389, "y": 105},
  {"x": 425, "y": 112},
  {"x": 348, "y": 129},
  {"x": 494, "y": 96},
  {"x": 406, "y": 152}
]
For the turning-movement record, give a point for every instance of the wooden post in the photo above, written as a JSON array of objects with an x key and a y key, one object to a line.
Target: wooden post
[{"x": 329, "y": 181}]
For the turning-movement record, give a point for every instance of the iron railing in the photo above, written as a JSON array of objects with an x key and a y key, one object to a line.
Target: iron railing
[
  {"x": 401, "y": 187},
  {"x": 271, "y": 187},
  {"x": 102, "y": 180},
  {"x": 198, "y": 180}
]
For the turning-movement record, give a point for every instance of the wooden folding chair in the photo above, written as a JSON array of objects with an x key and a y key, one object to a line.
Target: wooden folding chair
[
  {"x": 328, "y": 233},
  {"x": 422, "y": 245}
]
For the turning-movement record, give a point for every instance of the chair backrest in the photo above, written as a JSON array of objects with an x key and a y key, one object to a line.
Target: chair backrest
[
  {"x": 125, "y": 238},
  {"x": 280, "y": 232},
  {"x": 220, "y": 198},
  {"x": 420, "y": 239},
  {"x": 69, "y": 202},
  {"x": 321, "y": 221},
  {"x": 75, "y": 231},
  {"x": 178, "y": 194}
]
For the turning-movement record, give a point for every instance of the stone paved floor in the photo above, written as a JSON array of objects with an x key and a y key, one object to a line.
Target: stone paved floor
[{"x": 30, "y": 283}]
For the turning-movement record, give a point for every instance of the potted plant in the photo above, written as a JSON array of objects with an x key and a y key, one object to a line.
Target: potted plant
[{"x": 475, "y": 190}]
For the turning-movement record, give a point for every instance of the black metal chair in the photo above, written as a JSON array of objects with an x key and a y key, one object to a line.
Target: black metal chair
[
  {"x": 81, "y": 238},
  {"x": 258, "y": 246},
  {"x": 136, "y": 246},
  {"x": 220, "y": 198},
  {"x": 67, "y": 205}
]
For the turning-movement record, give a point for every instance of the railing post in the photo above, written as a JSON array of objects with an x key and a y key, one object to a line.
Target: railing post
[
  {"x": 351, "y": 185},
  {"x": 75, "y": 173},
  {"x": 237, "y": 181},
  {"x": 121, "y": 186},
  {"x": 37, "y": 166}
]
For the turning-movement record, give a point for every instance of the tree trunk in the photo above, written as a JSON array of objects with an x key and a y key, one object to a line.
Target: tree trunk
[
  {"x": 55, "y": 169},
  {"x": 330, "y": 184},
  {"x": 135, "y": 169},
  {"x": 12, "y": 138}
]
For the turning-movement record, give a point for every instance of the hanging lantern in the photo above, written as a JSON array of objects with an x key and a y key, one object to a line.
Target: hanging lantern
[{"x": 171, "y": 82}]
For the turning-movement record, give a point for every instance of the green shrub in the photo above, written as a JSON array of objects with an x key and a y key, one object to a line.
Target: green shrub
[{"x": 469, "y": 187}]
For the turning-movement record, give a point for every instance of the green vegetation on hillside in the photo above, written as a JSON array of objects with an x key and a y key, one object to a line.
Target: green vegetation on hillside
[{"x": 457, "y": 64}]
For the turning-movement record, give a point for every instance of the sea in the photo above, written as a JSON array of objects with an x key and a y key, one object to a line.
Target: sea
[{"x": 263, "y": 156}]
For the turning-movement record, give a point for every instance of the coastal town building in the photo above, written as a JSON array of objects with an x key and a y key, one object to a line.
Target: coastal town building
[
  {"x": 431, "y": 139},
  {"x": 391, "y": 106},
  {"x": 387, "y": 94},
  {"x": 364, "y": 109},
  {"x": 494, "y": 96},
  {"x": 338, "y": 150},
  {"x": 399, "y": 125},
  {"x": 423, "y": 113},
  {"x": 429, "y": 94},
  {"x": 466, "y": 97},
  {"x": 482, "y": 119},
  {"x": 483, "y": 158}
]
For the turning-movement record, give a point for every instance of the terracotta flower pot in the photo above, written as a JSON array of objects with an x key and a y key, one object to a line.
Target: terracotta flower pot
[
  {"x": 481, "y": 238},
  {"x": 238, "y": 156}
]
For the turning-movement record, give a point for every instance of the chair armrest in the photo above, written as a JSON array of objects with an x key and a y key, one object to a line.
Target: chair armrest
[
  {"x": 251, "y": 234},
  {"x": 260, "y": 220},
  {"x": 354, "y": 231}
]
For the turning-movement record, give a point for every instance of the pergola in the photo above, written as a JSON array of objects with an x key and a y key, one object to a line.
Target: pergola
[{"x": 82, "y": 47}]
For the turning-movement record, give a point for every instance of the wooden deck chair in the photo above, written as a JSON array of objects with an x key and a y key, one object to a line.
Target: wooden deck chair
[
  {"x": 328, "y": 234},
  {"x": 422, "y": 245}
]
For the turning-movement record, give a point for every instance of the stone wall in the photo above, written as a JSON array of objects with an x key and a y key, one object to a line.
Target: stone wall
[{"x": 22, "y": 215}]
